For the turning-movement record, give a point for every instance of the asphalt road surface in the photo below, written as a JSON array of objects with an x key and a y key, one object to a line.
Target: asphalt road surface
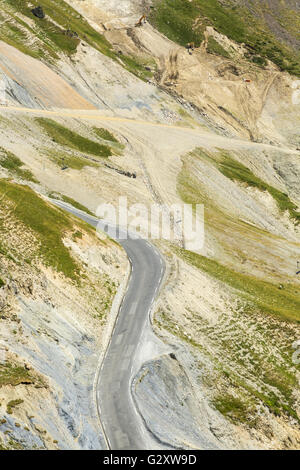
[{"x": 123, "y": 427}]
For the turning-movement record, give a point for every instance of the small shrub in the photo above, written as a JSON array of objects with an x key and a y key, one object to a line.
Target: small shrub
[
  {"x": 11, "y": 374},
  {"x": 14, "y": 165},
  {"x": 12, "y": 404}
]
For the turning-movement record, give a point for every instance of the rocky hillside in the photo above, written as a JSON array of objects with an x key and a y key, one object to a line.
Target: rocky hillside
[
  {"x": 268, "y": 29},
  {"x": 57, "y": 285},
  {"x": 93, "y": 99},
  {"x": 280, "y": 18}
]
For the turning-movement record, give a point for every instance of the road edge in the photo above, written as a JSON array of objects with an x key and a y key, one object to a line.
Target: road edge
[
  {"x": 113, "y": 316},
  {"x": 109, "y": 329}
]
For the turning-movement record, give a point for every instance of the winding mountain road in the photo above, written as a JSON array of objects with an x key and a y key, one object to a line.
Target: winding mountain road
[{"x": 123, "y": 426}]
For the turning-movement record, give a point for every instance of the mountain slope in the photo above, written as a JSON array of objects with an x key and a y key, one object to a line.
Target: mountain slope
[
  {"x": 268, "y": 29},
  {"x": 216, "y": 126},
  {"x": 58, "y": 281}
]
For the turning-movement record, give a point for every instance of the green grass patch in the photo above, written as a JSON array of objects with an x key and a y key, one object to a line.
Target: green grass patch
[
  {"x": 12, "y": 404},
  {"x": 64, "y": 136},
  {"x": 11, "y": 374},
  {"x": 77, "y": 235},
  {"x": 190, "y": 192},
  {"x": 2, "y": 446},
  {"x": 188, "y": 187},
  {"x": 233, "y": 408},
  {"x": 213, "y": 47},
  {"x": 175, "y": 19},
  {"x": 70, "y": 201},
  {"x": 4, "y": 252},
  {"x": 261, "y": 61},
  {"x": 48, "y": 223},
  {"x": 71, "y": 161},
  {"x": 12, "y": 32},
  {"x": 14, "y": 165},
  {"x": 242, "y": 407},
  {"x": 116, "y": 146},
  {"x": 2, "y": 283},
  {"x": 236, "y": 171},
  {"x": 279, "y": 401},
  {"x": 137, "y": 66},
  {"x": 184, "y": 21},
  {"x": 105, "y": 134},
  {"x": 282, "y": 380},
  {"x": 50, "y": 32},
  {"x": 278, "y": 405},
  {"x": 265, "y": 296}
]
